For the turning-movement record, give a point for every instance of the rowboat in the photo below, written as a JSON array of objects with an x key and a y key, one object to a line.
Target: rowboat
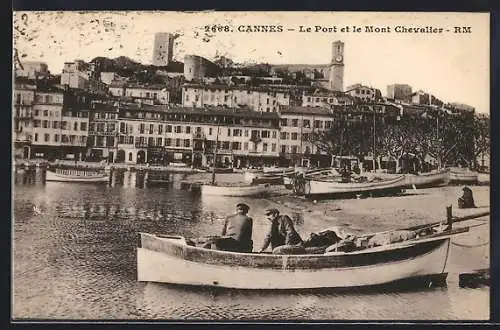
[
  {"x": 319, "y": 187},
  {"x": 430, "y": 179},
  {"x": 462, "y": 176},
  {"x": 170, "y": 259},
  {"x": 262, "y": 177},
  {"x": 277, "y": 170},
  {"x": 235, "y": 190},
  {"x": 82, "y": 176}
]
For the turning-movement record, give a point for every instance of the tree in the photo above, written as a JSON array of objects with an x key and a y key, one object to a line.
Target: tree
[{"x": 397, "y": 140}]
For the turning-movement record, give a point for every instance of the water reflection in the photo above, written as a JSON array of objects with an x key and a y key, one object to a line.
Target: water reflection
[{"x": 74, "y": 257}]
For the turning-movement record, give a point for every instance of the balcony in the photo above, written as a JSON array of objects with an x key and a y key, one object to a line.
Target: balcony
[
  {"x": 199, "y": 136},
  {"x": 140, "y": 145},
  {"x": 103, "y": 133}
]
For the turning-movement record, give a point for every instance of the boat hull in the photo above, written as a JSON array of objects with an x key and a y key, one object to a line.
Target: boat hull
[
  {"x": 462, "y": 177},
  {"x": 178, "y": 263},
  {"x": 328, "y": 188},
  {"x": 52, "y": 176},
  {"x": 427, "y": 180},
  {"x": 236, "y": 191}
]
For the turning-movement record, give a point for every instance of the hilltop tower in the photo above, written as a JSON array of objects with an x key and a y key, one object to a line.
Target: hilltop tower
[
  {"x": 336, "y": 79},
  {"x": 163, "y": 48}
]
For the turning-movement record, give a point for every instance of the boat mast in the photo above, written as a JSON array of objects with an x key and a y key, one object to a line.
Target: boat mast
[{"x": 215, "y": 154}]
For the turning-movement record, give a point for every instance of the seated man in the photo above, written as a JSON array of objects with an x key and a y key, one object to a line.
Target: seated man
[
  {"x": 466, "y": 200},
  {"x": 282, "y": 235},
  {"x": 237, "y": 231}
]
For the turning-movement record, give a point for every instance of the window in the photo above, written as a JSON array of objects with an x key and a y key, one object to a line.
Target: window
[
  {"x": 306, "y": 123},
  {"x": 169, "y": 129},
  {"x": 283, "y": 135},
  {"x": 295, "y": 122},
  {"x": 55, "y": 124},
  {"x": 294, "y": 149},
  {"x": 168, "y": 142},
  {"x": 160, "y": 129},
  {"x": 188, "y": 129},
  {"x": 129, "y": 156},
  {"x": 236, "y": 132},
  {"x": 130, "y": 140},
  {"x": 178, "y": 129},
  {"x": 274, "y": 134},
  {"x": 45, "y": 113},
  {"x": 36, "y": 137},
  {"x": 46, "y": 137},
  {"x": 294, "y": 136},
  {"x": 265, "y": 134},
  {"x": 318, "y": 124},
  {"x": 151, "y": 128},
  {"x": 56, "y": 137},
  {"x": 177, "y": 142},
  {"x": 159, "y": 141},
  {"x": 37, "y": 112},
  {"x": 246, "y": 133},
  {"x": 83, "y": 126},
  {"x": 309, "y": 99},
  {"x": 273, "y": 147},
  {"x": 36, "y": 123},
  {"x": 264, "y": 147},
  {"x": 283, "y": 149},
  {"x": 151, "y": 141},
  {"x": 141, "y": 128},
  {"x": 225, "y": 145},
  {"x": 306, "y": 136},
  {"x": 187, "y": 97},
  {"x": 228, "y": 132},
  {"x": 187, "y": 143},
  {"x": 210, "y": 131},
  {"x": 45, "y": 124},
  {"x": 236, "y": 146},
  {"x": 283, "y": 122}
]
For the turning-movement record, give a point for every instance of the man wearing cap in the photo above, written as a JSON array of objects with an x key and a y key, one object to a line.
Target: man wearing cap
[
  {"x": 282, "y": 235},
  {"x": 237, "y": 231}
]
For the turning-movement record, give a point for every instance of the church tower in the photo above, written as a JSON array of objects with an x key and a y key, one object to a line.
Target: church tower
[{"x": 336, "y": 79}]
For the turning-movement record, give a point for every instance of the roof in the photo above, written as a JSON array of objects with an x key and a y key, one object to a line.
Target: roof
[
  {"x": 237, "y": 87},
  {"x": 247, "y": 113},
  {"x": 307, "y": 111}
]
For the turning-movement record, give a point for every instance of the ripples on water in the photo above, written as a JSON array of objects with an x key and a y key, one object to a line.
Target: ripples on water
[{"x": 74, "y": 258}]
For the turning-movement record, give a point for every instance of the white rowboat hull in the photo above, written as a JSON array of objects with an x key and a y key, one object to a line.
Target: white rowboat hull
[
  {"x": 157, "y": 266},
  {"x": 51, "y": 176},
  {"x": 322, "y": 187},
  {"x": 237, "y": 191}
]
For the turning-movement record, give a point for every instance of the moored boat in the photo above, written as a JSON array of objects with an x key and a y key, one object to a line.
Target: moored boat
[
  {"x": 238, "y": 190},
  {"x": 169, "y": 259},
  {"x": 82, "y": 176},
  {"x": 462, "y": 176},
  {"x": 325, "y": 187},
  {"x": 426, "y": 180}
]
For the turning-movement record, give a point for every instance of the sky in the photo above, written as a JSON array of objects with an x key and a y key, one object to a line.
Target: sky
[{"x": 452, "y": 66}]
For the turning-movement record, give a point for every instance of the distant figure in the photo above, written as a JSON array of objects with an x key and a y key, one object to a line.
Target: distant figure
[
  {"x": 356, "y": 169},
  {"x": 282, "y": 235},
  {"x": 466, "y": 201},
  {"x": 237, "y": 231}
]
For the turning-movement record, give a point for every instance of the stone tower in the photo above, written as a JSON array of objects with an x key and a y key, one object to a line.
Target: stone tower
[{"x": 336, "y": 79}]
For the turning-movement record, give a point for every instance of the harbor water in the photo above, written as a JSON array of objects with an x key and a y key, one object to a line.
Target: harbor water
[{"x": 74, "y": 257}]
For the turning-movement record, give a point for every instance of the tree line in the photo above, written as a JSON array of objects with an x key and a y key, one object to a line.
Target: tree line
[{"x": 448, "y": 139}]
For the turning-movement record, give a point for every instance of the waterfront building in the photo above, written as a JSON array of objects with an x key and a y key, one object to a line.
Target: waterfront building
[
  {"x": 23, "y": 99},
  {"x": 163, "y": 48},
  {"x": 103, "y": 131},
  {"x": 59, "y": 130},
  {"x": 297, "y": 125},
  {"x": 160, "y": 134},
  {"x": 457, "y": 107},
  {"x": 108, "y": 77},
  {"x": 76, "y": 74},
  {"x": 400, "y": 92},
  {"x": 263, "y": 99}
]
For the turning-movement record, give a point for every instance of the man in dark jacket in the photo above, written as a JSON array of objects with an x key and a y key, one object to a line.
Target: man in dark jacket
[
  {"x": 237, "y": 231},
  {"x": 281, "y": 234}
]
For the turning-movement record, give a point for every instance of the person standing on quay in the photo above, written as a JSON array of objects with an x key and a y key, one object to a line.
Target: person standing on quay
[{"x": 282, "y": 235}]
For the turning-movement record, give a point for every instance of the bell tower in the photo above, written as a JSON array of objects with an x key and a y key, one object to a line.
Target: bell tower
[{"x": 336, "y": 79}]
